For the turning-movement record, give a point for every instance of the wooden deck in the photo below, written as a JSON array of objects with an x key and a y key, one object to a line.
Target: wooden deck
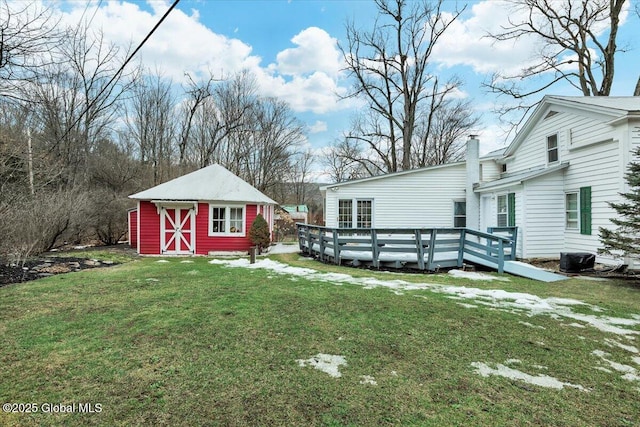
[{"x": 423, "y": 249}]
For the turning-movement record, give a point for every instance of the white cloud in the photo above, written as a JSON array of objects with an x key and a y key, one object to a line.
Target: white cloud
[
  {"x": 318, "y": 126},
  {"x": 317, "y": 92},
  {"x": 181, "y": 44},
  {"x": 306, "y": 76},
  {"x": 466, "y": 41},
  {"x": 316, "y": 51}
]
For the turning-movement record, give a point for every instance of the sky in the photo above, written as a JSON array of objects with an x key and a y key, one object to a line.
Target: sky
[{"x": 292, "y": 49}]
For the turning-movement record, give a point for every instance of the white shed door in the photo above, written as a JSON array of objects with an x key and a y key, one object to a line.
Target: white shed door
[{"x": 177, "y": 231}]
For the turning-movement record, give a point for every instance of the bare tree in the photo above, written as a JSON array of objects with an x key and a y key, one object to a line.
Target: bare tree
[
  {"x": 28, "y": 35},
  {"x": 220, "y": 116},
  {"x": 197, "y": 94},
  {"x": 149, "y": 122},
  {"x": 75, "y": 103},
  {"x": 269, "y": 146},
  {"x": 390, "y": 65},
  {"x": 441, "y": 134},
  {"x": 576, "y": 45},
  {"x": 298, "y": 176},
  {"x": 347, "y": 159}
]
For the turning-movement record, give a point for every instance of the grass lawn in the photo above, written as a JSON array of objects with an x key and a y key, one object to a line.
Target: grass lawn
[{"x": 187, "y": 342}]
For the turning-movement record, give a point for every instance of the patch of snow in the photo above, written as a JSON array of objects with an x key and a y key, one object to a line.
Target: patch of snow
[
  {"x": 506, "y": 372},
  {"x": 394, "y": 373},
  {"x": 472, "y": 275},
  {"x": 577, "y": 325},
  {"x": 327, "y": 363},
  {"x": 151, "y": 279},
  {"x": 186, "y": 261},
  {"x": 603, "y": 369},
  {"x": 512, "y": 361},
  {"x": 514, "y": 302},
  {"x": 280, "y": 248},
  {"x": 162, "y": 260},
  {"x": 592, "y": 279},
  {"x": 465, "y": 305},
  {"x": 531, "y": 325},
  {"x": 629, "y": 372},
  {"x": 636, "y": 360},
  {"x": 367, "y": 379},
  {"x": 614, "y": 343}
]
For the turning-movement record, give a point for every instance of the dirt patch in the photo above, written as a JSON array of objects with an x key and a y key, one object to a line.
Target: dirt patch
[
  {"x": 600, "y": 270},
  {"x": 46, "y": 266}
]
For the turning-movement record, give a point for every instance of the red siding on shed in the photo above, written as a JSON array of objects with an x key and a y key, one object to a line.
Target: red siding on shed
[
  {"x": 133, "y": 228},
  {"x": 149, "y": 229},
  {"x": 149, "y": 232},
  {"x": 206, "y": 243}
]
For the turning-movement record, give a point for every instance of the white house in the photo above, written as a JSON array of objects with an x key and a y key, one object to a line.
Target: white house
[{"x": 553, "y": 182}]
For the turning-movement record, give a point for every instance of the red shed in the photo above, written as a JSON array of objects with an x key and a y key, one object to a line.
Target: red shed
[{"x": 206, "y": 211}]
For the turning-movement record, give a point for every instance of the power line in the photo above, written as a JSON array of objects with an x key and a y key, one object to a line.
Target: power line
[{"x": 121, "y": 69}]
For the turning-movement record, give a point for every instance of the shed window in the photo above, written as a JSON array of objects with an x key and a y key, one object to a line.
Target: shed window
[
  {"x": 459, "y": 214},
  {"x": 552, "y": 148},
  {"x": 227, "y": 220}
]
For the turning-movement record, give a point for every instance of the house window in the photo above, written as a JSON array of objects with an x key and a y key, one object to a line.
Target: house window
[
  {"x": 504, "y": 168},
  {"x": 361, "y": 217},
  {"x": 552, "y": 148},
  {"x": 345, "y": 213},
  {"x": 459, "y": 214},
  {"x": 578, "y": 210},
  {"x": 364, "y": 213},
  {"x": 571, "y": 211},
  {"x": 226, "y": 220},
  {"x": 507, "y": 210}
]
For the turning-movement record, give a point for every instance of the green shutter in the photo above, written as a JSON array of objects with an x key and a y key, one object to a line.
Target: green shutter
[
  {"x": 511, "y": 209},
  {"x": 585, "y": 210}
]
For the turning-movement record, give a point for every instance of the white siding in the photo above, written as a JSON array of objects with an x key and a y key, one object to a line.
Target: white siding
[
  {"x": 572, "y": 130},
  {"x": 421, "y": 199},
  {"x": 596, "y": 166},
  {"x": 595, "y": 152},
  {"x": 490, "y": 170},
  {"x": 543, "y": 224}
]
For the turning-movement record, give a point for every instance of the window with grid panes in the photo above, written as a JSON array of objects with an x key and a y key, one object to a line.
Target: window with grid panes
[
  {"x": 364, "y": 213},
  {"x": 345, "y": 213}
]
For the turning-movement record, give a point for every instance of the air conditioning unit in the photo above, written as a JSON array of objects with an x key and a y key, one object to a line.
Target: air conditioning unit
[
  {"x": 574, "y": 262},
  {"x": 633, "y": 263}
]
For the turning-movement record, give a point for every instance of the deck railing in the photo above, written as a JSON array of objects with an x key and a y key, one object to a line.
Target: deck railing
[{"x": 421, "y": 248}]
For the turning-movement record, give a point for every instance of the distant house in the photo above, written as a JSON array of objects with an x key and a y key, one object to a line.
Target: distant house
[
  {"x": 298, "y": 213},
  {"x": 206, "y": 211},
  {"x": 553, "y": 181}
]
